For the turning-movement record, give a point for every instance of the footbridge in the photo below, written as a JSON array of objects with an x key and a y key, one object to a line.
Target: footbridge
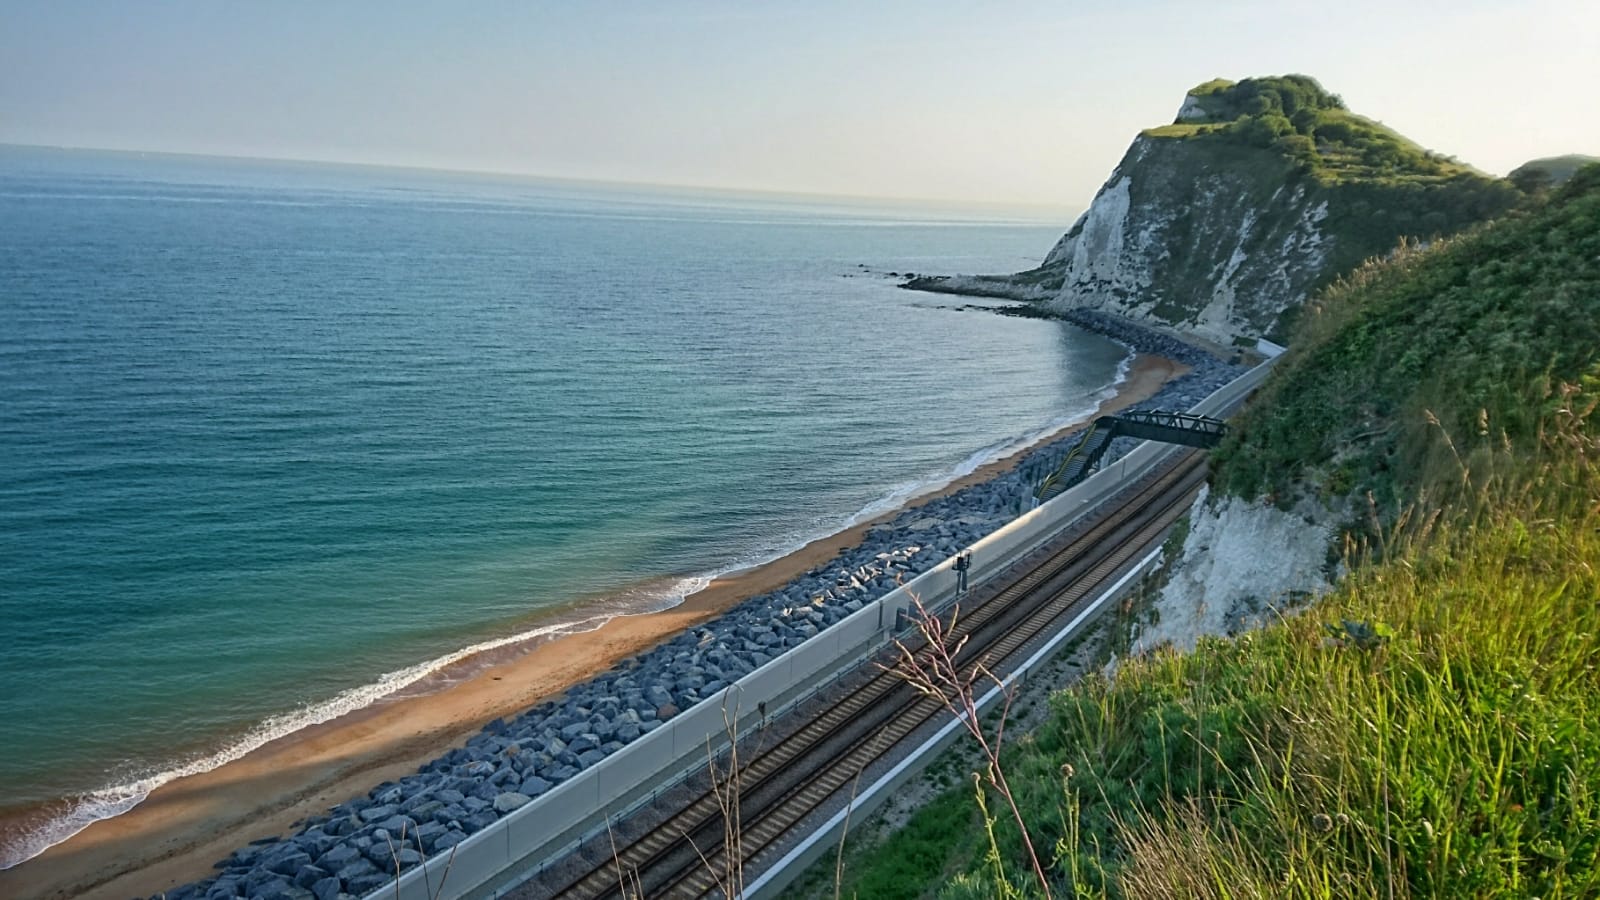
[{"x": 1166, "y": 427}]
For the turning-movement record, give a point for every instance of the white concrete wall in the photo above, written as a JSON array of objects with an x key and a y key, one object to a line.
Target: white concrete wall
[{"x": 551, "y": 823}]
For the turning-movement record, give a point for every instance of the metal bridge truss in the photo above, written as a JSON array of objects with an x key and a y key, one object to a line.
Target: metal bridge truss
[{"x": 1169, "y": 427}]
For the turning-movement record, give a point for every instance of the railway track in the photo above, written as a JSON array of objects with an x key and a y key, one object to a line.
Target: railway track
[{"x": 684, "y": 855}]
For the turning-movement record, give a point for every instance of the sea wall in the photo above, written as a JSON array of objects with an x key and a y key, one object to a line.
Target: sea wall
[{"x": 347, "y": 851}]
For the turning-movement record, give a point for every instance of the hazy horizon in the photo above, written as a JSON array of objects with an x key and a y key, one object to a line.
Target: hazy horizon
[
  {"x": 1017, "y": 103},
  {"x": 931, "y": 203}
]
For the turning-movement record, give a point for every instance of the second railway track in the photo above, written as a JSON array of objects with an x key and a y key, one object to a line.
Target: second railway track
[{"x": 683, "y": 855}]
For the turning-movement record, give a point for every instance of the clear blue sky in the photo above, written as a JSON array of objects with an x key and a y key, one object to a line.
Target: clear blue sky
[{"x": 1018, "y": 102}]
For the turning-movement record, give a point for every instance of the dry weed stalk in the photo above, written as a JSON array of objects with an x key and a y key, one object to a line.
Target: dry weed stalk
[
  {"x": 838, "y": 861},
  {"x": 433, "y": 893},
  {"x": 629, "y": 891},
  {"x": 727, "y": 786},
  {"x": 935, "y": 673}
]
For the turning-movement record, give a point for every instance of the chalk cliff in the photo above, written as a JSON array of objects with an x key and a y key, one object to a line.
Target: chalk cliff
[{"x": 1262, "y": 191}]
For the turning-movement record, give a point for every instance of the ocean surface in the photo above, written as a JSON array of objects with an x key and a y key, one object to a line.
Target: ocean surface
[{"x": 277, "y": 438}]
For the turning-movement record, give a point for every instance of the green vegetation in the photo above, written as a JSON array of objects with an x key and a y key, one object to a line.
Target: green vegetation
[
  {"x": 1380, "y": 186},
  {"x": 1262, "y": 193},
  {"x": 1179, "y": 130},
  {"x": 1432, "y": 727},
  {"x": 1284, "y": 95},
  {"x": 1470, "y": 329},
  {"x": 1313, "y": 189},
  {"x": 1539, "y": 175},
  {"x": 1295, "y": 116},
  {"x": 938, "y": 844}
]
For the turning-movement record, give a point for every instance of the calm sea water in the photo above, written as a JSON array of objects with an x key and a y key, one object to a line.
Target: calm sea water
[{"x": 275, "y": 438}]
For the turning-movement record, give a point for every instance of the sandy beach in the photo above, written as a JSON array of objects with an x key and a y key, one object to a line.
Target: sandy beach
[{"x": 175, "y": 835}]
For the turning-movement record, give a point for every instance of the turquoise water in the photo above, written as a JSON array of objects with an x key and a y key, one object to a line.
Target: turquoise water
[{"x": 270, "y": 433}]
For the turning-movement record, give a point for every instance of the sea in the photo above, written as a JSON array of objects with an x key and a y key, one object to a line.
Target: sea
[{"x": 280, "y": 439}]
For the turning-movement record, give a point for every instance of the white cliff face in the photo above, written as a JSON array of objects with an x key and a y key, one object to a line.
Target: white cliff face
[
  {"x": 1240, "y": 561},
  {"x": 1301, "y": 246},
  {"x": 1175, "y": 239},
  {"x": 1063, "y": 249},
  {"x": 1191, "y": 110},
  {"x": 1098, "y": 249}
]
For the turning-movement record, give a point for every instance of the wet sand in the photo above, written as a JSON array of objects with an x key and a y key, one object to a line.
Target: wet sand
[{"x": 175, "y": 835}]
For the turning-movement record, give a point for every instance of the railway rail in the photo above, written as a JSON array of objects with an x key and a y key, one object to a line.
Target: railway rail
[{"x": 685, "y": 854}]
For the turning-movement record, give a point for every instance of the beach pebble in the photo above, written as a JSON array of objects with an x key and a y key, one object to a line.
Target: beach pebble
[
  {"x": 404, "y": 857},
  {"x": 276, "y": 889},
  {"x": 427, "y": 833},
  {"x": 365, "y": 884},
  {"x": 509, "y": 801},
  {"x": 327, "y": 889},
  {"x": 355, "y": 869},
  {"x": 309, "y": 875},
  {"x": 263, "y": 882},
  {"x": 533, "y": 786},
  {"x": 478, "y": 821},
  {"x": 377, "y": 813},
  {"x": 379, "y": 851},
  {"x": 338, "y": 857},
  {"x": 398, "y": 826},
  {"x": 316, "y": 842},
  {"x": 288, "y": 863},
  {"x": 424, "y": 810}
]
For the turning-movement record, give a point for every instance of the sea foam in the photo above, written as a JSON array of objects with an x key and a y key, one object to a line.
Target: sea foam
[{"x": 117, "y": 799}]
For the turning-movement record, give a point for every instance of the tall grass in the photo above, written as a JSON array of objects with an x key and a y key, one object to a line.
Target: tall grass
[
  {"x": 1480, "y": 326},
  {"x": 1430, "y": 729}
]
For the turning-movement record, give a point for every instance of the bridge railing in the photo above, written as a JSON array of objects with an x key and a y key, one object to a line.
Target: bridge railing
[{"x": 576, "y": 811}]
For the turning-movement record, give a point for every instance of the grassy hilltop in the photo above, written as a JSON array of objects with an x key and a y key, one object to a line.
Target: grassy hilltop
[
  {"x": 1431, "y": 728},
  {"x": 1538, "y": 175},
  {"x": 1378, "y": 185}
]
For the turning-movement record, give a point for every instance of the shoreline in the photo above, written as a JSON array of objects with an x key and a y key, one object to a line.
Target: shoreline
[{"x": 176, "y": 833}]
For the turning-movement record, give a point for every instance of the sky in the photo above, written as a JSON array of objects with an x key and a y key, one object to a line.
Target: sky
[{"x": 992, "y": 102}]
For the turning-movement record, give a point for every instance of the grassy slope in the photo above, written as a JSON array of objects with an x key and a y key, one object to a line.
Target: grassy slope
[
  {"x": 1465, "y": 330},
  {"x": 1432, "y": 728},
  {"x": 1552, "y": 170}
]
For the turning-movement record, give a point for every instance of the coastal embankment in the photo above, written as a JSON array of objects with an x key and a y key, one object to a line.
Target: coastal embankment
[{"x": 178, "y": 832}]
